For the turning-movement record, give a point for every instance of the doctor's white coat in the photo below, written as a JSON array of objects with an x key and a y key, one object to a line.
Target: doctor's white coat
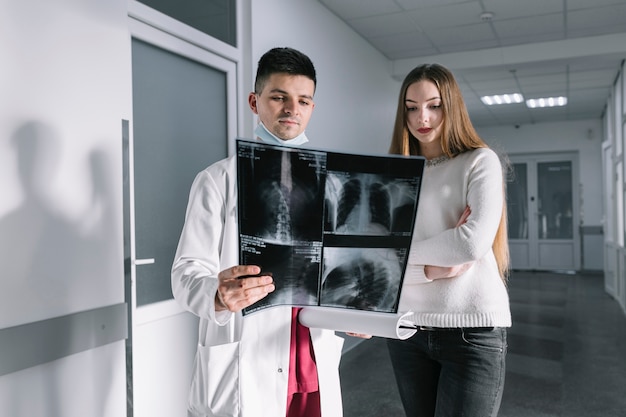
[{"x": 242, "y": 364}]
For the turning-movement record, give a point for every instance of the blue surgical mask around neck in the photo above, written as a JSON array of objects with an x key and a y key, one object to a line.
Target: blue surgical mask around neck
[{"x": 266, "y": 136}]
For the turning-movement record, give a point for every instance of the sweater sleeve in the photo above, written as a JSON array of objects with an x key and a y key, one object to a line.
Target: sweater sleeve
[
  {"x": 484, "y": 194},
  {"x": 197, "y": 260},
  {"x": 416, "y": 274}
]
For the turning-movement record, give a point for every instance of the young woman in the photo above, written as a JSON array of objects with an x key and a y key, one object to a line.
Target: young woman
[{"x": 455, "y": 280}]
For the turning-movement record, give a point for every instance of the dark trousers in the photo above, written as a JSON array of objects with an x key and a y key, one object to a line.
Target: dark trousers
[{"x": 450, "y": 372}]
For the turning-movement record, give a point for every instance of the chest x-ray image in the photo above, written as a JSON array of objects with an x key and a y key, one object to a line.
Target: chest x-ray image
[
  {"x": 362, "y": 208},
  {"x": 333, "y": 229},
  {"x": 369, "y": 204},
  {"x": 361, "y": 278}
]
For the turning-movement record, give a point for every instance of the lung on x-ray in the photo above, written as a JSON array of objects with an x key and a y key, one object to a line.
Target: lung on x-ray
[{"x": 333, "y": 229}]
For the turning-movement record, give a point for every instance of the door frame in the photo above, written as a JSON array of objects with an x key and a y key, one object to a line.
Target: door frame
[
  {"x": 166, "y": 33},
  {"x": 525, "y": 253},
  {"x": 159, "y": 30}
]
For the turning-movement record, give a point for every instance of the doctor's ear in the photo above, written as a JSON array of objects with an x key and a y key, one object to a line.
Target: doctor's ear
[{"x": 252, "y": 102}]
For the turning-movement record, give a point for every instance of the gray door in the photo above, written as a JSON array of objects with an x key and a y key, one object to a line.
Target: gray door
[
  {"x": 180, "y": 127},
  {"x": 184, "y": 117},
  {"x": 542, "y": 211}
]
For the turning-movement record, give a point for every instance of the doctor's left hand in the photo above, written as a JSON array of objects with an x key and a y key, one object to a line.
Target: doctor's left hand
[{"x": 241, "y": 286}]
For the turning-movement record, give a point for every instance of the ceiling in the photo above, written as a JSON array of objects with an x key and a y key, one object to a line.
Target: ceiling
[{"x": 539, "y": 48}]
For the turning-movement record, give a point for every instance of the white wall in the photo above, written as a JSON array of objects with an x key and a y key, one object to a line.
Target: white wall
[
  {"x": 65, "y": 88},
  {"x": 67, "y": 91},
  {"x": 356, "y": 97}
]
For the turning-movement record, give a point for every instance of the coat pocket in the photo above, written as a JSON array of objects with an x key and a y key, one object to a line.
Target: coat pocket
[{"x": 215, "y": 382}]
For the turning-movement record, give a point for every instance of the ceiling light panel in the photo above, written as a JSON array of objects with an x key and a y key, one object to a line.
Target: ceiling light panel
[
  {"x": 546, "y": 102},
  {"x": 502, "y": 99}
]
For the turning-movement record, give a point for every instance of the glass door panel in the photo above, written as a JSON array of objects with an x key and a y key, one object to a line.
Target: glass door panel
[
  {"x": 517, "y": 198},
  {"x": 180, "y": 128},
  {"x": 554, "y": 180}
]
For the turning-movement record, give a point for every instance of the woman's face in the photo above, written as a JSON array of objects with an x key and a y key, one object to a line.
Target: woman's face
[{"x": 424, "y": 116}]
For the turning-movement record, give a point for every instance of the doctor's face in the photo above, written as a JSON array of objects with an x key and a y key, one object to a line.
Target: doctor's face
[{"x": 285, "y": 104}]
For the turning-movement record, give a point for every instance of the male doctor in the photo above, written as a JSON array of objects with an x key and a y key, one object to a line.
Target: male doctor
[{"x": 266, "y": 363}]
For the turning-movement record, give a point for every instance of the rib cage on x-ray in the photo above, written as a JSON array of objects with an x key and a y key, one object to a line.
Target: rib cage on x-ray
[
  {"x": 365, "y": 204},
  {"x": 361, "y": 278},
  {"x": 368, "y": 204}
]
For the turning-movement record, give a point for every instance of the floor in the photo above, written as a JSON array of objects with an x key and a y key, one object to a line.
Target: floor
[{"x": 566, "y": 354}]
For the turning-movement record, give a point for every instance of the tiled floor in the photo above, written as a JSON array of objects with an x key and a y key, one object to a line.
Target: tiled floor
[{"x": 566, "y": 355}]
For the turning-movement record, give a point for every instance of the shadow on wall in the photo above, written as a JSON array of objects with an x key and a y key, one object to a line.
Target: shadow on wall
[{"x": 54, "y": 265}]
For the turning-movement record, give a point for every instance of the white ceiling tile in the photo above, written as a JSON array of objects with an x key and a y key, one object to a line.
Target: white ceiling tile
[
  {"x": 420, "y": 4},
  {"x": 462, "y": 14},
  {"x": 586, "y": 4},
  {"x": 582, "y": 98},
  {"x": 402, "y": 41},
  {"x": 412, "y": 53},
  {"x": 549, "y": 114},
  {"x": 499, "y": 86},
  {"x": 587, "y": 79},
  {"x": 462, "y": 38},
  {"x": 580, "y": 102},
  {"x": 352, "y": 9},
  {"x": 504, "y": 10},
  {"x": 595, "y": 31},
  {"x": 469, "y": 46},
  {"x": 488, "y": 75},
  {"x": 471, "y": 98},
  {"x": 551, "y": 82},
  {"x": 509, "y": 109},
  {"x": 597, "y": 17},
  {"x": 542, "y": 68},
  {"x": 536, "y": 25},
  {"x": 384, "y": 25},
  {"x": 531, "y": 38},
  {"x": 404, "y": 45}
]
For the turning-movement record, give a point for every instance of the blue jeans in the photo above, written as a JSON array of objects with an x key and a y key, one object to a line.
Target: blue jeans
[{"x": 450, "y": 372}]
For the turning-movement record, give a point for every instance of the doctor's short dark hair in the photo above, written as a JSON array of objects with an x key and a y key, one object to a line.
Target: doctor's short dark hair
[{"x": 283, "y": 60}]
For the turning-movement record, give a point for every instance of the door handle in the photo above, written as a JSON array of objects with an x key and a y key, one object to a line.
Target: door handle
[{"x": 146, "y": 261}]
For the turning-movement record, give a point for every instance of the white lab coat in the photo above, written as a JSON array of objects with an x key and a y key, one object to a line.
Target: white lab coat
[{"x": 242, "y": 364}]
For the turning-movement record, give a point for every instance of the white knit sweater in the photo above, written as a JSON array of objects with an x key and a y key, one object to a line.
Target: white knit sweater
[{"x": 477, "y": 298}]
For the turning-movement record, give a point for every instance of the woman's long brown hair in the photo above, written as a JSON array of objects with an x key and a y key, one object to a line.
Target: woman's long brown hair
[{"x": 457, "y": 136}]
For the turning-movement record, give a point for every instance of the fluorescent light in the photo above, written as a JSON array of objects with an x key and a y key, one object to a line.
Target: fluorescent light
[
  {"x": 546, "y": 102},
  {"x": 502, "y": 99}
]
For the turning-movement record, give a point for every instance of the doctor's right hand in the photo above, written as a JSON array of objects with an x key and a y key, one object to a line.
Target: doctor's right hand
[{"x": 241, "y": 286}]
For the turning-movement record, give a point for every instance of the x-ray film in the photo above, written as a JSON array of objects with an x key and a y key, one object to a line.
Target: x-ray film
[{"x": 333, "y": 229}]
